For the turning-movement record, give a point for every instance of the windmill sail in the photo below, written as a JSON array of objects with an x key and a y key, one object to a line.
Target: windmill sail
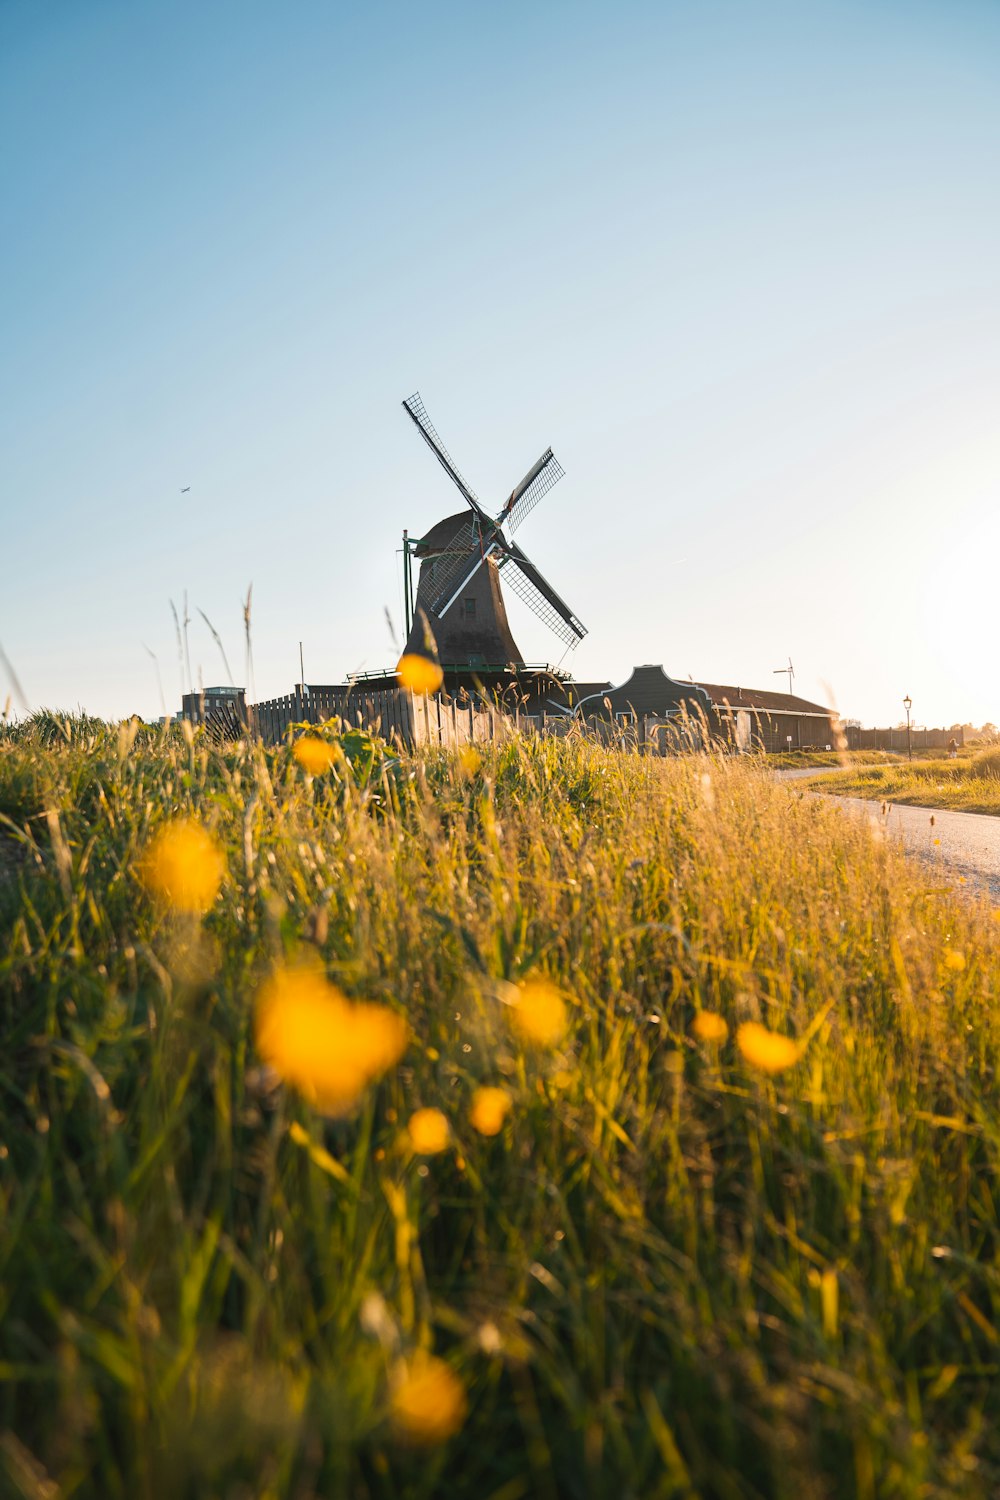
[
  {"x": 536, "y": 483},
  {"x": 458, "y": 572},
  {"x": 535, "y": 590},
  {"x": 464, "y": 554},
  {"x": 418, "y": 413},
  {"x": 460, "y": 579}
]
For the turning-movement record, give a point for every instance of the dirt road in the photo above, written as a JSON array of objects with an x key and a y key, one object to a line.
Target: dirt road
[{"x": 960, "y": 846}]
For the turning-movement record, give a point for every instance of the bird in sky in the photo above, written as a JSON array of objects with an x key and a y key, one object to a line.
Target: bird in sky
[{"x": 185, "y": 489}]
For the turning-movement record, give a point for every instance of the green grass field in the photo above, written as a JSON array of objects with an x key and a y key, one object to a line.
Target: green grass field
[
  {"x": 670, "y": 1273},
  {"x": 969, "y": 784}
]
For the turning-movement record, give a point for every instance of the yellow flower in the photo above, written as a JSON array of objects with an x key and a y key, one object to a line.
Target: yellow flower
[
  {"x": 954, "y": 960},
  {"x": 314, "y": 755},
  {"x": 321, "y": 1043},
  {"x": 489, "y": 1110},
  {"x": 428, "y": 1401},
  {"x": 184, "y": 866},
  {"x": 421, "y": 674},
  {"x": 539, "y": 1013},
  {"x": 709, "y": 1027},
  {"x": 469, "y": 759},
  {"x": 429, "y": 1131},
  {"x": 767, "y": 1050}
]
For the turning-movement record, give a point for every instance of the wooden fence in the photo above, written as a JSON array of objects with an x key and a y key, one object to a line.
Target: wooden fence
[
  {"x": 385, "y": 710},
  {"x": 896, "y": 739},
  {"x": 410, "y": 719}
]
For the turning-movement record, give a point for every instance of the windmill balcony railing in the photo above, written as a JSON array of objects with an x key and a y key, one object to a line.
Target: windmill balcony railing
[{"x": 507, "y": 668}]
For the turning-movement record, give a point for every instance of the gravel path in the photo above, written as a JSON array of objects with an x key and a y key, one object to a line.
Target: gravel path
[{"x": 958, "y": 845}]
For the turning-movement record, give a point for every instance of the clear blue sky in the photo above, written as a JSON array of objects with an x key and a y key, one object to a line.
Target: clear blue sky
[{"x": 739, "y": 263}]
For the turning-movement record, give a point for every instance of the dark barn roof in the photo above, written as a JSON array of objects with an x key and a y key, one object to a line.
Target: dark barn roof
[
  {"x": 647, "y": 691},
  {"x": 577, "y": 691},
  {"x": 762, "y": 700}
]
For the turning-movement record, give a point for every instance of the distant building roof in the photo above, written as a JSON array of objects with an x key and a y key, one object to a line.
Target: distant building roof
[
  {"x": 761, "y": 699},
  {"x": 649, "y": 690}
]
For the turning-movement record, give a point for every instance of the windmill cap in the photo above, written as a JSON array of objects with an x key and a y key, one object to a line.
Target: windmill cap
[{"x": 442, "y": 534}]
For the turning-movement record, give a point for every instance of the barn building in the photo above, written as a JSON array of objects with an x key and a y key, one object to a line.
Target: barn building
[
  {"x": 754, "y": 718},
  {"x": 749, "y": 718}
]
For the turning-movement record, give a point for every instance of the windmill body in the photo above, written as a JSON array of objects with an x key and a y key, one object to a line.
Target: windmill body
[
  {"x": 462, "y": 561},
  {"x": 474, "y": 630}
]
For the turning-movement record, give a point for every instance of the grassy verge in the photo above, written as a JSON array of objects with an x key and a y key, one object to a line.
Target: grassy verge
[
  {"x": 669, "y": 1273},
  {"x": 969, "y": 785},
  {"x": 790, "y": 759}
]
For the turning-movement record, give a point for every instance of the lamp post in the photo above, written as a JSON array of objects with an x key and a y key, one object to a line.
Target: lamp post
[{"x": 908, "y": 704}]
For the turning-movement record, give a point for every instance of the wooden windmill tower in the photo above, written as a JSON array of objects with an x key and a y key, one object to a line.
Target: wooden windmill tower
[{"x": 462, "y": 561}]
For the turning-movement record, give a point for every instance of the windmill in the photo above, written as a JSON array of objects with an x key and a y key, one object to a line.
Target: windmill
[
  {"x": 462, "y": 559},
  {"x": 788, "y": 672}
]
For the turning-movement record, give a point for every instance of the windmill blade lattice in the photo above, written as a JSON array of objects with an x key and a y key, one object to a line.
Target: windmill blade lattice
[
  {"x": 536, "y": 483},
  {"x": 538, "y": 594},
  {"x": 462, "y": 549},
  {"x": 464, "y": 555},
  {"x": 418, "y": 412}
]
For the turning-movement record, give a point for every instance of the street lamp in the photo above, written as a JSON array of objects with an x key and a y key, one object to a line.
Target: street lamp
[{"x": 908, "y": 704}]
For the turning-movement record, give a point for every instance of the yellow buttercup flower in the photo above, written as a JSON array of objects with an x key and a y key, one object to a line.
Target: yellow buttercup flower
[
  {"x": 428, "y": 1401},
  {"x": 767, "y": 1050},
  {"x": 323, "y": 1045},
  {"x": 954, "y": 960},
  {"x": 489, "y": 1109},
  {"x": 314, "y": 755},
  {"x": 539, "y": 1013},
  {"x": 184, "y": 866},
  {"x": 429, "y": 1131},
  {"x": 421, "y": 674},
  {"x": 709, "y": 1027},
  {"x": 470, "y": 760}
]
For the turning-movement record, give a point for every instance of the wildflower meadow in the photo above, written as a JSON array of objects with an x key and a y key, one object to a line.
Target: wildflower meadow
[{"x": 540, "y": 1120}]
